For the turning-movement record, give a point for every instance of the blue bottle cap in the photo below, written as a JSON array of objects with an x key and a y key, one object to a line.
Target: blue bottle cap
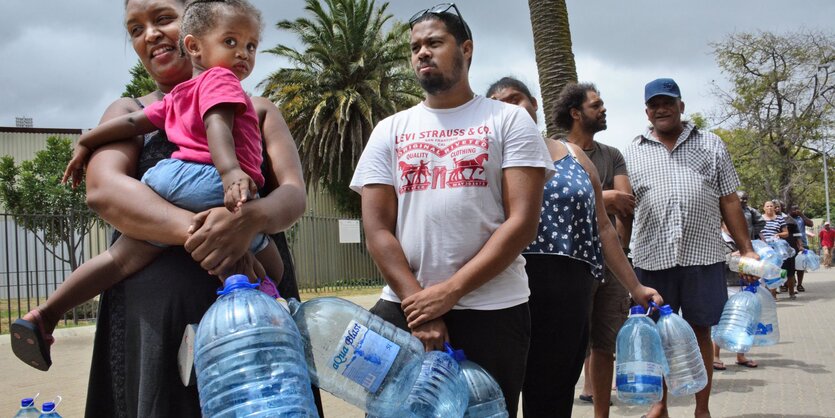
[
  {"x": 637, "y": 310},
  {"x": 752, "y": 287},
  {"x": 458, "y": 355},
  {"x": 48, "y": 406},
  {"x": 665, "y": 310},
  {"x": 26, "y": 402},
  {"x": 237, "y": 281}
]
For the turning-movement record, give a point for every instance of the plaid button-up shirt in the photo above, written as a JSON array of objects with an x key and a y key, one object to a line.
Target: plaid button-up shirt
[{"x": 677, "y": 217}]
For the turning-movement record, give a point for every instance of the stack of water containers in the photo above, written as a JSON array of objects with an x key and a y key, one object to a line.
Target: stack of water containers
[
  {"x": 640, "y": 360},
  {"x": 807, "y": 261},
  {"x": 249, "y": 357},
  {"x": 738, "y": 323},
  {"x": 772, "y": 277},
  {"x": 356, "y": 355}
]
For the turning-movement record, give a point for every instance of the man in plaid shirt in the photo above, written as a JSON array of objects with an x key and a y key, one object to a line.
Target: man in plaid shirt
[{"x": 685, "y": 185}]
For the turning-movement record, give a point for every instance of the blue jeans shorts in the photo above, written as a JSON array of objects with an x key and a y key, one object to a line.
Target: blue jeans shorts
[
  {"x": 700, "y": 291},
  {"x": 192, "y": 186}
]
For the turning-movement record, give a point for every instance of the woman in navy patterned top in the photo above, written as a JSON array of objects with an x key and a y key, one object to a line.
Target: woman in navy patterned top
[{"x": 561, "y": 264}]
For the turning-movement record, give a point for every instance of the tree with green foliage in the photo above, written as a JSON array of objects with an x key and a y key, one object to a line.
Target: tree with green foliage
[
  {"x": 554, "y": 56},
  {"x": 55, "y": 213},
  {"x": 347, "y": 76},
  {"x": 777, "y": 107},
  {"x": 140, "y": 83}
]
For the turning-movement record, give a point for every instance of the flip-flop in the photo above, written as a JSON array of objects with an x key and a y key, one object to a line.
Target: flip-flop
[
  {"x": 748, "y": 363},
  {"x": 718, "y": 365},
  {"x": 587, "y": 398},
  {"x": 30, "y": 345}
]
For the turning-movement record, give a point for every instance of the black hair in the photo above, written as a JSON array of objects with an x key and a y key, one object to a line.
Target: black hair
[
  {"x": 509, "y": 82},
  {"x": 572, "y": 96},
  {"x": 455, "y": 25},
  {"x": 201, "y": 15},
  {"x": 182, "y": 2}
]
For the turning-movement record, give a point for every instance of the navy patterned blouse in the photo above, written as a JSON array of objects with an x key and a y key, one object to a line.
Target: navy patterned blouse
[{"x": 568, "y": 220}]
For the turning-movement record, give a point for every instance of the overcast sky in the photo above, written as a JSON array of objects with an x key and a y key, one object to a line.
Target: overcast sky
[{"x": 64, "y": 61}]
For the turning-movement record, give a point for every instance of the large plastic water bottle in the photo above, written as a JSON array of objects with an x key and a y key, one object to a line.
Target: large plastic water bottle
[
  {"x": 486, "y": 399},
  {"x": 48, "y": 410},
  {"x": 753, "y": 267},
  {"x": 356, "y": 355},
  {"x": 782, "y": 248},
  {"x": 775, "y": 282},
  {"x": 640, "y": 360},
  {"x": 27, "y": 409},
  {"x": 800, "y": 261},
  {"x": 687, "y": 373},
  {"x": 439, "y": 391},
  {"x": 766, "y": 253},
  {"x": 249, "y": 358},
  {"x": 767, "y": 331},
  {"x": 735, "y": 331},
  {"x": 806, "y": 261}
]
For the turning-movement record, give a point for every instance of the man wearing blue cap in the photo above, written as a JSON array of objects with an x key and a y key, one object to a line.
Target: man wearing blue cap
[{"x": 685, "y": 186}]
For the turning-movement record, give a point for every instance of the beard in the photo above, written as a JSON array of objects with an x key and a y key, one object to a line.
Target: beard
[
  {"x": 437, "y": 83},
  {"x": 592, "y": 125}
]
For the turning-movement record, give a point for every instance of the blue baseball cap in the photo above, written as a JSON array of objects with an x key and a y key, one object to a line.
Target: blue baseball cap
[{"x": 661, "y": 87}]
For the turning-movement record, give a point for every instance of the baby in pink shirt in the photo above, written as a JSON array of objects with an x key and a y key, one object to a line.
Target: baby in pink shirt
[{"x": 213, "y": 122}]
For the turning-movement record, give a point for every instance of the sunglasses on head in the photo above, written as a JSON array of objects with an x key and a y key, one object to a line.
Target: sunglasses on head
[{"x": 438, "y": 9}]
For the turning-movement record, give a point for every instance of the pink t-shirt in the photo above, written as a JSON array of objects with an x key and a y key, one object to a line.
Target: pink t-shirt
[{"x": 180, "y": 113}]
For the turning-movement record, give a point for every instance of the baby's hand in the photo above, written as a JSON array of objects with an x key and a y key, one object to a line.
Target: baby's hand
[
  {"x": 237, "y": 189},
  {"x": 75, "y": 168}
]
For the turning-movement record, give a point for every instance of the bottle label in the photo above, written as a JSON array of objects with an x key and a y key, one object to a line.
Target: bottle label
[
  {"x": 364, "y": 356},
  {"x": 643, "y": 372}
]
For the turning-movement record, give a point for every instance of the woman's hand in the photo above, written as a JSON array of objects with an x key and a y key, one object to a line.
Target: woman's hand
[
  {"x": 218, "y": 239},
  {"x": 428, "y": 304},
  {"x": 643, "y": 294},
  {"x": 432, "y": 334}
]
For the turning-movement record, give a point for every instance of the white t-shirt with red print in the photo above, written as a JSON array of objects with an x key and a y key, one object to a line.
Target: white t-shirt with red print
[{"x": 446, "y": 168}]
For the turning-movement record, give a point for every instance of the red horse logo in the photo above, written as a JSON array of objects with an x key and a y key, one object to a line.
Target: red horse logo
[
  {"x": 414, "y": 173},
  {"x": 476, "y": 164}
]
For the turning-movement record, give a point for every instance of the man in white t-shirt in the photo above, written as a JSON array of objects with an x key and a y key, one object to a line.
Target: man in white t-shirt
[{"x": 451, "y": 194}]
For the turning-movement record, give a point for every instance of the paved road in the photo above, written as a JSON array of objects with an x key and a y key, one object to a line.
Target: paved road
[{"x": 794, "y": 379}]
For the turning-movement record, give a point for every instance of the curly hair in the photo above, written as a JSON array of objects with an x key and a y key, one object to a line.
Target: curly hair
[
  {"x": 572, "y": 96},
  {"x": 200, "y": 16}
]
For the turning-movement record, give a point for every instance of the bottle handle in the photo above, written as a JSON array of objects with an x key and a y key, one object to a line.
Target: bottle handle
[{"x": 651, "y": 305}]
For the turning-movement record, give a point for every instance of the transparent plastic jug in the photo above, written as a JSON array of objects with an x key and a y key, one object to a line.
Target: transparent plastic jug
[
  {"x": 735, "y": 331},
  {"x": 687, "y": 374},
  {"x": 486, "y": 399},
  {"x": 356, "y": 355},
  {"x": 753, "y": 267},
  {"x": 768, "y": 330},
  {"x": 249, "y": 357},
  {"x": 28, "y": 409},
  {"x": 640, "y": 361}
]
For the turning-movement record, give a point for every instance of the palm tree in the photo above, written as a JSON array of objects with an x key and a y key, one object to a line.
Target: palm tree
[
  {"x": 347, "y": 76},
  {"x": 554, "y": 59}
]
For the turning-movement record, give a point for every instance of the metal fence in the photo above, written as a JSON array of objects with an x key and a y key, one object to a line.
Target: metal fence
[
  {"x": 323, "y": 263},
  {"x": 31, "y": 269}
]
